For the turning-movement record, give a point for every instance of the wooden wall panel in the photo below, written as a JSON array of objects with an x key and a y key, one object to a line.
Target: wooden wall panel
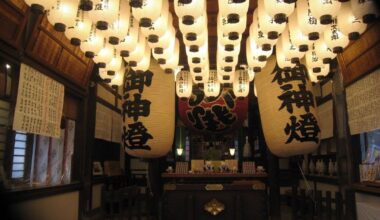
[
  {"x": 12, "y": 21},
  {"x": 361, "y": 56},
  {"x": 45, "y": 49},
  {"x": 72, "y": 68}
]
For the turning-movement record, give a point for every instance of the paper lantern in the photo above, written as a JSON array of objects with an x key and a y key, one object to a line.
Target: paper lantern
[
  {"x": 172, "y": 63},
  {"x": 334, "y": 38},
  {"x": 283, "y": 62},
  {"x": 298, "y": 38},
  {"x": 224, "y": 60},
  {"x": 313, "y": 62},
  {"x": 116, "y": 62},
  {"x": 232, "y": 29},
  {"x": 197, "y": 26},
  {"x": 80, "y": 30},
  {"x": 267, "y": 23},
  {"x": 323, "y": 51},
  {"x": 278, "y": 9},
  {"x": 104, "y": 13},
  {"x": 287, "y": 97},
  {"x": 164, "y": 41},
  {"x": 105, "y": 76},
  {"x": 315, "y": 77},
  {"x": 184, "y": 84},
  {"x": 348, "y": 24},
  {"x": 104, "y": 55},
  {"x": 241, "y": 83},
  {"x": 118, "y": 79},
  {"x": 200, "y": 74},
  {"x": 233, "y": 9},
  {"x": 224, "y": 39},
  {"x": 38, "y": 6},
  {"x": 143, "y": 64},
  {"x": 129, "y": 42},
  {"x": 251, "y": 74},
  {"x": 118, "y": 29},
  {"x": 259, "y": 36},
  {"x": 62, "y": 14},
  {"x": 212, "y": 86},
  {"x": 365, "y": 9},
  {"x": 195, "y": 39},
  {"x": 147, "y": 12},
  {"x": 288, "y": 48},
  {"x": 165, "y": 53},
  {"x": 202, "y": 114},
  {"x": 256, "y": 57},
  {"x": 224, "y": 77},
  {"x": 148, "y": 113},
  {"x": 308, "y": 24},
  {"x": 158, "y": 27},
  {"x": 93, "y": 43},
  {"x": 189, "y": 12},
  {"x": 137, "y": 54},
  {"x": 324, "y": 10}
]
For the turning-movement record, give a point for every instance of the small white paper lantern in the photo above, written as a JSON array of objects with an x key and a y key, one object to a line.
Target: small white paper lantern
[
  {"x": 313, "y": 62},
  {"x": 308, "y": 24},
  {"x": 315, "y": 77},
  {"x": 365, "y": 9},
  {"x": 334, "y": 38},
  {"x": 256, "y": 58},
  {"x": 324, "y": 10},
  {"x": 323, "y": 51},
  {"x": 93, "y": 43},
  {"x": 104, "y": 13},
  {"x": 80, "y": 30},
  {"x": 232, "y": 29},
  {"x": 189, "y": 12},
  {"x": 143, "y": 64},
  {"x": 138, "y": 53},
  {"x": 118, "y": 29},
  {"x": 212, "y": 86},
  {"x": 197, "y": 26},
  {"x": 147, "y": 12},
  {"x": 278, "y": 9},
  {"x": 259, "y": 36},
  {"x": 267, "y": 23},
  {"x": 282, "y": 61},
  {"x": 164, "y": 40},
  {"x": 184, "y": 84},
  {"x": 62, "y": 14},
  {"x": 172, "y": 63},
  {"x": 225, "y": 77},
  {"x": 289, "y": 49},
  {"x": 241, "y": 83},
  {"x": 38, "y": 6},
  {"x": 159, "y": 26},
  {"x": 116, "y": 62},
  {"x": 104, "y": 55},
  {"x": 298, "y": 38},
  {"x": 230, "y": 9},
  {"x": 224, "y": 39},
  {"x": 166, "y": 53},
  {"x": 196, "y": 39},
  {"x": 129, "y": 42},
  {"x": 348, "y": 24},
  {"x": 103, "y": 73},
  {"x": 118, "y": 79}
]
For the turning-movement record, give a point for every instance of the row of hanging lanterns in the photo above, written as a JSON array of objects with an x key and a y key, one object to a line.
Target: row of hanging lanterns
[{"x": 134, "y": 30}]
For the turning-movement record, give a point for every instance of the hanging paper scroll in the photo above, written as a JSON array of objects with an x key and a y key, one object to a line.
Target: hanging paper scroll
[
  {"x": 39, "y": 103},
  {"x": 148, "y": 113},
  {"x": 287, "y": 110},
  {"x": 214, "y": 115}
]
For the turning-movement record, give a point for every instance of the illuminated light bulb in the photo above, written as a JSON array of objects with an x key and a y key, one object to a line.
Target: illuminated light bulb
[
  {"x": 308, "y": 24},
  {"x": 289, "y": 49},
  {"x": 334, "y": 38},
  {"x": 241, "y": 84},
  {"x": 232, "y": 29},
  {"x": 278, "y": 9},
  {"x": 38, "y": 6},
  {"x": 365, "y": 9},
  {"x": 118, "y": 79},
  {"x": 62, "y": 14},
  {"x": 118, "y": 29},
  {"x": 230, "y": 9},
  {"x": 196, "y": 27},
  {"x": 323, "y": 51},
  {"x": 147, "y": 12},
  {"x": 104, "y": 13},
  {"x": 232, "y": 151},
  {"x": 172, "y": 63},
  {"x": 282, "y": 61},
  {"x": 159, "y": 26},
  {"x": 80, "y": 30},
  {"x": 313, "y": 62},
  {"x": 324, "y": 10},
  {"x": 93, "y": 43},
  {"x": 260, "y": 37},
  {"x": 184, "y": 84},
  {"x": 267, "y": 23},
  {"x": 104, "y": 55},
  {"x": 298, "y": 38},
  {"x": 188, "y": 13},
  {"x": 137, "y": 54},
  {"x": 348, "y": 24},
  {"x": 129, "y": 42},
  {"x": 143, "y": 64},
  {"x": 212, "y": 86}
]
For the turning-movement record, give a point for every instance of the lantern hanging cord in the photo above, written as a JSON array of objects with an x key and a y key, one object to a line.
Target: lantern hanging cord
[{"x": 308, "y": 188}]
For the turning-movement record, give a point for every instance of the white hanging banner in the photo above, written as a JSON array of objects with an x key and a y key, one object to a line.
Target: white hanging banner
[
  {"x": 326, "y": 119},
  {"x": 103, "y": 122},
  {"x": 39, "y": 103}
]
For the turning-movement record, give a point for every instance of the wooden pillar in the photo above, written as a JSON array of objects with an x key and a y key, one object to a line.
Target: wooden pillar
[{"x": 274, "y": 187}]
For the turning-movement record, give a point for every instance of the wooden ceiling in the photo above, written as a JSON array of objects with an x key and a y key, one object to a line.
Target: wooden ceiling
[{"x": 212, "y": 13}]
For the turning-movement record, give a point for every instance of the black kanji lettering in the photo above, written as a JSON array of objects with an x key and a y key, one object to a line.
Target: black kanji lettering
[
  {"x": 136, "y": 137},
  {"x": 306, "y": 129},
  {"x": 137, "y": 81},
  {"x": 302, "y": 98},
  {"x": 136, "y": 107}
]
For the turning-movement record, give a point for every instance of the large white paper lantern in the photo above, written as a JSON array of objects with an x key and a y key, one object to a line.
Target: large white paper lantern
[
  {"x": 212, "y": 86},
  {"x": 117, "y": 80},
  {"x": 324, "y": 10},
  {"x": 365, "y": 9},
  {"x": 195, "y": 39},
  {"x": 184, "y": 84},
  {"x": 282, "y": 61},
  {"x": 38, "y": 6},
  {"x": 348, "y": 24},
  {"x": 313, "y": 62},
  {"x": 143, "y": 64},
  {"x": 267, "y": 23},
  {"x": 224, "y": 39},
  {"x": 148, "y": 131},
  {"x": 298, "y": 38},
  {"x": 334, "y": 38},
  {"x": 278, "y": 9},
  {"x": 147, "y": 12},
  {"x": 118, "y": 29},
  {"x": 323, "y": 51},
  {"x": 138, "y": 53},
  {"x": 232, "y": 29},
  {"x": 241, "y": 83},
  {"x": 197, "y": 26},
  {"x": 260, "y": 37},
  {"x": 93, "y": 43},
  {"x": 189, "y": 12},
  {"x": 159, "y": 26},
  {"x": 233, "y": 9},
  {"x": 172, "y": 63},
  {"x": 104, "y": 13},
  {"x": 290, "y": 127},
  {"x": 129, "y": 42},
  {"x": 254, "y": 59},
  {"x": 308, "y": 24},
  {"x": 116, "y": 62},
  {"x": 289, "y": 49},
  {"x": 62, "y": 14},
  {"x": 104, "y": 55},
  {"x": 81, "y": 28}
]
